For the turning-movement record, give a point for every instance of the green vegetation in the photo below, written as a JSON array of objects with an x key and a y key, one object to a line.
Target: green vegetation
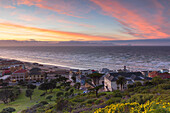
[{"x": 67, "y": 98}]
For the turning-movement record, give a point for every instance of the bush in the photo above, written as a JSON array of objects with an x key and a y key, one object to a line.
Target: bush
[
  {"x": 59, "y": 94},
  {"x": 108, "y": 96},
  {"x": 149, "y": 107},
  {"x": 43, "y": 102},
  {"x": 8, "y": 110},
  {"x": 101, "y": 94},
  {"x": 91, "y": 101},
  {"x": 113, "y": 100},
  {"x": 98, "y": 101},
  {"x": 138, "y": 84},
  {"x": 141, "y": 99},
  {"x": 67, "y": 88},
  {"x": 117, "y": 93},
  {"x": 164, "y": 86},
  {"x": 49, "y": 97},
  {"x": 130, "y": 86},
  {"x": 79, "y": 99}
]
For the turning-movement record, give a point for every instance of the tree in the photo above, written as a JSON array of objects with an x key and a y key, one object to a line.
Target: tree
[
  {"x": 29, "y": 93},
  {"x": 121, "y": 81},
  {"x": 94, "y": 82},
  {"x": 5, "y": 95},
  {"x": 77, "y": 85},
  {"x": 31, "y": 86},
  {"x": 49, "y": 97},
  {"x": 95, "y": 78},
  {"x": 44, "y": 86},
  {"x": 61, "y": 79},
  {"x": 74, "y": 79},
  {"x": 52, "y": 85}
]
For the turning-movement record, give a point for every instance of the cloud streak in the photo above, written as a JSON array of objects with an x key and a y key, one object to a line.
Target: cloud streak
[
  {"x": 132, "y": 21},
  {"x": 14, "y": 30},
  {"x": 67, "y": 7}
]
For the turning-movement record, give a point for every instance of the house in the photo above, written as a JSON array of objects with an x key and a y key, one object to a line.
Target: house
[
  {"x": 164, "y": 71},
  {"x": 35, "y": 74},
  {"x": 19, "y": 75},
  {"x": 123, "y": 70},
  {"x": 6, "y": 64},
  {"x": 51, "y": 75},
  {"x": 162, "y": 75},
  {"x": 6, "y": 72},
  {"x": 74, "y": 73},
  {"x": 104, "y": 70},
  {"x": 130, "y": 77}
]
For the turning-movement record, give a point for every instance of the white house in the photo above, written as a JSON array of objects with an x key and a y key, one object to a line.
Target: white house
[{"x": 131, "y": 77}]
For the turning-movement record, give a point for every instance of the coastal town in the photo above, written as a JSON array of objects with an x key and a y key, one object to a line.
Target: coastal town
[{"x": 12, "y": 72}]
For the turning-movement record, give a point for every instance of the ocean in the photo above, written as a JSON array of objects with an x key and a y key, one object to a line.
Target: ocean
[{"x": 114, "y": 57}]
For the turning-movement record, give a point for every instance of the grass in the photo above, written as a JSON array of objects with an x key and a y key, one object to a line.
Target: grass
[{"x": 23, "y": 102}]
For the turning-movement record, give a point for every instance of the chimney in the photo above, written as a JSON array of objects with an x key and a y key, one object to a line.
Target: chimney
[{"x": 124, "y": 68}]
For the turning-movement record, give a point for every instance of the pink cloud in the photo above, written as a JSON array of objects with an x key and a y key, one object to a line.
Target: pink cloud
[
  {"x": 134, "y": 22},
  {"x": 69, "y": 8},
  {"x": 14, "y": 30},
  {"x": 6, "y": 4}
]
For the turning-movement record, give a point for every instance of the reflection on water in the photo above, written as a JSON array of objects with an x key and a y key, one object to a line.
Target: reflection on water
[{"x": 136, "y": 58}]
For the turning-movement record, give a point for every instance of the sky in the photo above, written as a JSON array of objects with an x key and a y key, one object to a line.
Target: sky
[{"x": 124, "y": 22}]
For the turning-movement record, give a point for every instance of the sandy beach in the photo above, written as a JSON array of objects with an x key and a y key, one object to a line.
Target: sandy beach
[{"x": 43, "y": 66}]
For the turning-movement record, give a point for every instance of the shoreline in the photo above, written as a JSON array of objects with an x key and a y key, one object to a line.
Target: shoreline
[
  {"x": 46, "y": 66},
  {"x": 57, "y": 66}
]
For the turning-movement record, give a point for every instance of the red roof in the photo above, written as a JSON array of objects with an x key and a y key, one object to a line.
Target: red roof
[
  {"x": 162, "y": 75},
  {"x": 21, "y": 71},
  {"x": 6, "y": 72}
]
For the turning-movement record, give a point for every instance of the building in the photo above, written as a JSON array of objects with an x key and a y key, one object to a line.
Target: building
[
  {"x": 104, "y": 70},
  {"x": 19, "y": 75},
  {"x": 36, "y": 75},
  {"x": 162, "y": 75},
  {"x": 7, "y": 64},
  {"x": 164, "y": 71},
  {"x": 130, "y": 77},
  {"x": 6, "y": 72}
]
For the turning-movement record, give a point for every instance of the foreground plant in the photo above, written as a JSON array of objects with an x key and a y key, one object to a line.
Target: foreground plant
[{"x": 149, "y": 107}]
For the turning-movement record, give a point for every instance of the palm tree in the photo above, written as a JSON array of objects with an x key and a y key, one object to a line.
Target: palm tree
[
  {"x": 94, "y": 82},
  {"x": 121, "y": 81}
]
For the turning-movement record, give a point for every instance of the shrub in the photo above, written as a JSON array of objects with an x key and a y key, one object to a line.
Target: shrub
[
  {"x": 149, "y": 107},
  {"x": 130, "y": 86},
  {"x": 117, "y": 93},
  {"x": 141, "y": 99},
  {"x": 98, "y": 101},
  {"x": 108, "y": 96},
  {"x": 138, "y": 84},
  {"x": 79, "y": 99},
  {"x": 67, "y": 88},
  {"x": 59, "y": 94},
  {"x": 164, "y": 86},
  {"x": 43, "y": 102},
  {"x": 90, "y": 101},
  {"x": 49, "y": 97},
  {"x": 113, "y": 100},
  {"x": 8, "y": 110},
  {"x": 101, "y": 94}
]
